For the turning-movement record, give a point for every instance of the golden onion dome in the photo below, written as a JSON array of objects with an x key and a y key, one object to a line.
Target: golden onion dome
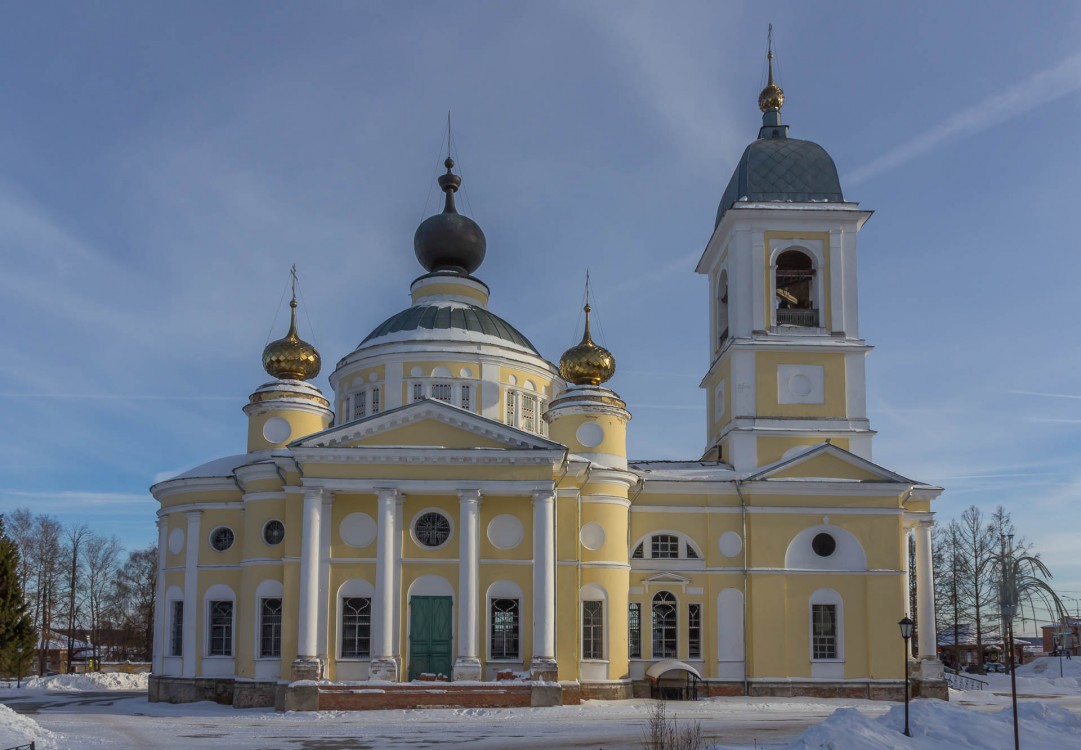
[
  {"x": 291, "y": 358},
  {"x": 587, "y": 363},
  {"x": 772, "y": 97}
]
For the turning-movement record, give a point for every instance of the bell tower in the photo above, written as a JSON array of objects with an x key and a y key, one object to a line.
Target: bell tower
[{"x": 786, "y": 358}]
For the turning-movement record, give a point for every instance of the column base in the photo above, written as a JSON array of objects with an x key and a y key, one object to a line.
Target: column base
[
  {"x": 307, "y": 668},
  {"x": 929, "y": 679},
  {"x": 384, "y": 669},
  {"x": 543, "y": 669},
  {"x": 466, "y": 668}
]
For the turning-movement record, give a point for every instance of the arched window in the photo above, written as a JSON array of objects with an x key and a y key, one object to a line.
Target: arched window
[
  {"x": 794, "y": 288},
  {"x": 665, "y": 545},
  {"x": 664, "y": 625}
]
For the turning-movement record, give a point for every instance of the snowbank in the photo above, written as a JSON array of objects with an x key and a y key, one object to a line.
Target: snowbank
[
  {"x": 16, "y": 729},
  {"x": 92, "y": 682},
  {"x": 937, "y": 725}
]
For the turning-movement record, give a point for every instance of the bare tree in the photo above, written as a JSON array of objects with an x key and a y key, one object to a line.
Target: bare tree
[
  {"x": 133, "y": 599},
  {"x": 100, "y": 558},
  {"x": 76, "y": 536},
  {"x": 978, "y": 544},
  {"x": 46, "y": 551}
]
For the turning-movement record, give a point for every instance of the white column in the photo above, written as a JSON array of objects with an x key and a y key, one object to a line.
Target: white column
[
  {"x": 544, "y": 586},
  {"x": 324, "y": 575},
  {"x": 467, "y": 665},
  {"x": 905, "y": 562},
  {"x": 925, "y": 592},
  {"x": 191, "y": 589},
  {"x": 159, "y": 597},
  {"x": 307, "y": 665},
  {"x": 384, "y": 665}
]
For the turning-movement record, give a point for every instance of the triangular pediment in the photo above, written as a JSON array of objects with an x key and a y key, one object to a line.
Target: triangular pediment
[
  {"x": 666, "y": 579},
  {"x": 426, "y": 424},
  {"x": 827, "y": 462}
]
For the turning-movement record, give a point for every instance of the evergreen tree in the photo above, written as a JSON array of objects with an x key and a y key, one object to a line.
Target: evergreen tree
[{"x": 17, "y": 635}]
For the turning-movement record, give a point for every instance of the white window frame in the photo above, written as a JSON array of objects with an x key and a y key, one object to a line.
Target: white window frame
[
  {"x": 829, "y": 668},
  {"x": 685, "y": 543},
  {"x": 514, "y": 413},
  {"x": 267, "y": 589},
  {"x": 174, "y": 623},
  {"x": 813, "y": 250},
  {"x": 371, "y": 395},
  {"x": 354, "y": 588},
  {"x": 218, "y": 593}
]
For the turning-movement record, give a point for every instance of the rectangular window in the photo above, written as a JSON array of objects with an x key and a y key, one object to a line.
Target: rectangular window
[
  {"x": 592, "y": 630},
  {"x": 375, "y": 400},
  {"x": 360, "y": 405},
  {"x": 505, "y": 629},
  {"x": 176, "y": 630},
  {"x": 221, "y": 628},
  {"x": 418, "y": 391},
  {"x": 665, "y": 546},
  {"x": 512, "y": 407},
  {"x": 634, "y": 630},
  {"x": 270, "y": 628},
  {"x": 467, "y": 397},
  {"x": 442, "y": 391},
  {"x": 529, "y": 413},
  {"x": 824, "y": 631},
  {"x": 356, "y": 627},
  {"x": 694, "y": 631}
]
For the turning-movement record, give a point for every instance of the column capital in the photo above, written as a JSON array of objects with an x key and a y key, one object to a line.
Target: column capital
[
  {"x": 544, "y": 496},
  {"x": 470, "y": 496},
  {"x": 193, "y": 516},
  {"x": 389, "y": 493},
  {"x": 925, "y": 523},
  {"x": 319, "y": 492}
]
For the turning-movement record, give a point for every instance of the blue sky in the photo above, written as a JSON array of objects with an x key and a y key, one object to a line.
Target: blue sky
[{"x": 163, "y": 164}]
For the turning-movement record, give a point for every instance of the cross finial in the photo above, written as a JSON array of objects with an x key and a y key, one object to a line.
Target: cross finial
[{"x": 293, "y": 273}]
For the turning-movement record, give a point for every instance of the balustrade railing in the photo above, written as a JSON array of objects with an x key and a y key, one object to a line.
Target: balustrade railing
[{"x": 797, "y": 317}]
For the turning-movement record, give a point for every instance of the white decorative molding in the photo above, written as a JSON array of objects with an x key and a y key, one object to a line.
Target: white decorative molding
[
  {"x": 801, "y": 384},
  {"x": 505, "y": 531},
  {"x": 357, "y": 530}
]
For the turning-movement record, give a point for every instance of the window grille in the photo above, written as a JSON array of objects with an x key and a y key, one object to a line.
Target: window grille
[
  {"x": 442, "y": 391},
  {"x": 467, "y": 397},
  {"x": 356, "y": 627},
  {"x": 360, "y": 405},
  {"x": 634, "y": 630},
  {"x": 639, "y": 552},
  {"x": 512, "y": 403},
  {"x": 529, "y": 413},
  {"x": 375, "y": 400},
  {"x": 432, "y": 529},
  {"x": 824, "y": 632},
  {"x": 176, "y": 630},
  {"x": 694, "y": 631},
  {"x": 418, "y": 391},
  {"x": 664, "y": 625},
  {"x": 221, "y": 629},
  {"x": 270, "y": 626},
  {"x": 665, "y": 546},
  {"x": 592, "y": 630},
  {"x": 505, "y": 629}
]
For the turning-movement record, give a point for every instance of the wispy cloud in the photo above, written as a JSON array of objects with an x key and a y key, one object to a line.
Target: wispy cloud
[
  {"x": 118, "y": 396},
  {"x": 1046, "y": 395},
  {"x": 1039, "y": 89},
  {"x": 66, "y": 499}
]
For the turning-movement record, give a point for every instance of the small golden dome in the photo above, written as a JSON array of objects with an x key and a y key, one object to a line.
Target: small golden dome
[
  {"x": 587, "y": 363},
  {"x": 291, "y": 358},
  {"x": 772, "y": 97}
]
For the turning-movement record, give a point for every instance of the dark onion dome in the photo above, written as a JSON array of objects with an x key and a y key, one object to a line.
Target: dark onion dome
[
  {"x": 449, "y": 241},
  {"x": 587, "y": 363},
  {"x": 291, "y": 358},
  {"x": 467, "y": 322},
  {"x": 776, "y": 168}
]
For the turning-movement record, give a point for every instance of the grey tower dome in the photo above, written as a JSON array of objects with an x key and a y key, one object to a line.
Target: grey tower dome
[
  {"x": 776, "y": 168},
  {"x": 449, "y": 241}
]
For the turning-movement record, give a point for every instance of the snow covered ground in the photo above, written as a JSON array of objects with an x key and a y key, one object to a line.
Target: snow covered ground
[{"x": 78, "y": 713}]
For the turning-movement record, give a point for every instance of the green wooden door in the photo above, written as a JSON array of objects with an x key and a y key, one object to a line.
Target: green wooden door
[{"x": 430, "y": 635}]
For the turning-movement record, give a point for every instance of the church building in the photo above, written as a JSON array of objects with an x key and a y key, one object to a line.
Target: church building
[{"x": 459, "y": 523}]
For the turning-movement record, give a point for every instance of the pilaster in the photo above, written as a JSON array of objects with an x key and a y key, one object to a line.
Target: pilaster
[{"x": 467, "y": 664}]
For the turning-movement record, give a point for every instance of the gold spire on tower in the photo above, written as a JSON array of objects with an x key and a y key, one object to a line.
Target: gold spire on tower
[
  {"x": 291, "y": 358},
  {"x": 587, "y": 363},
  {"x": 772, "y": 97}
]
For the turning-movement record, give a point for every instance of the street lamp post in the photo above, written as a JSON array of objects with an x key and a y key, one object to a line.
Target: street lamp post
[
  {"x": 1008, "y": 605},
  {"x": 906, "y": 632}
]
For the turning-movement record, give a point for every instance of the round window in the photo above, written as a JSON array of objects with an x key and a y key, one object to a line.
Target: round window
[
  {"x": 274, "y": 532},
  {"x": 823, "y": 544},
  {"x": 221, "y": 538},
  {"x": 432, "y": 529}
]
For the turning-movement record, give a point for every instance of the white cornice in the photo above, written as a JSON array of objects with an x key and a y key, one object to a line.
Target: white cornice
[
  {"x": 410, "y": 456},
  {"x": 502, "y": 487},
  {"x": 194, "y": 484}
]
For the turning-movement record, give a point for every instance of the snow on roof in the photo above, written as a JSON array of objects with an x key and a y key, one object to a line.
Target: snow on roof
[
  {"x": 224, "y": 467},
  {"x": 684, "y": 471}
]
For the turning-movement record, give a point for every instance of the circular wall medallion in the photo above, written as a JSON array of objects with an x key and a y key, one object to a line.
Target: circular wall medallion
[
  {"x": 505, "y": 531},
  {"x": 276, "y": 430},
  {"x": 592, "y": 536},
  {"x": 590, "y": 434},
  {"x": 465, "y": 372},
  {"x": 373, "y": 376},
  {"x": 357, "y": 530},
  {"x": 824, "y": 544},
  {"x": 512, "y": 380},
  {"x": 800, "y": 385},
  {"x": 416, "y": 372},
  {"x": 176, "y": 541},
  {"x": 730, "y": 544},
  {"x": 222, "y": 538},
  {"x": 432, "y": 529},
  {"x": 273, "y": 532}
]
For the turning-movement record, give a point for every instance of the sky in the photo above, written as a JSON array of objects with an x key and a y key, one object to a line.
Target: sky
[{"x": 162, "y": 165}]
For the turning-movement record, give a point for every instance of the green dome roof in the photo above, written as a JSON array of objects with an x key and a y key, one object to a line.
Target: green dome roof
[{"x": 456, "y": 320}]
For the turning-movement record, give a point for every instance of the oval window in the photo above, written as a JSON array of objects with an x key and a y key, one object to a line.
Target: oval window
[
  {"x": 222, "y": 538},
  {"x": 274, "y": 532},
  {"x": 824, "y": 544}
]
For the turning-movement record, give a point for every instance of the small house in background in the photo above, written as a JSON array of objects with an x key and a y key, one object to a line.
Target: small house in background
[
  {"x": 1052, "y": 636},
  {"x": 57, "y": 657}
]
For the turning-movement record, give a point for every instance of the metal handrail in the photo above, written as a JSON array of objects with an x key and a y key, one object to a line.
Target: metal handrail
[
  {"x": 963, "y": 681},
  {"x": 804, "y": 317}
]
